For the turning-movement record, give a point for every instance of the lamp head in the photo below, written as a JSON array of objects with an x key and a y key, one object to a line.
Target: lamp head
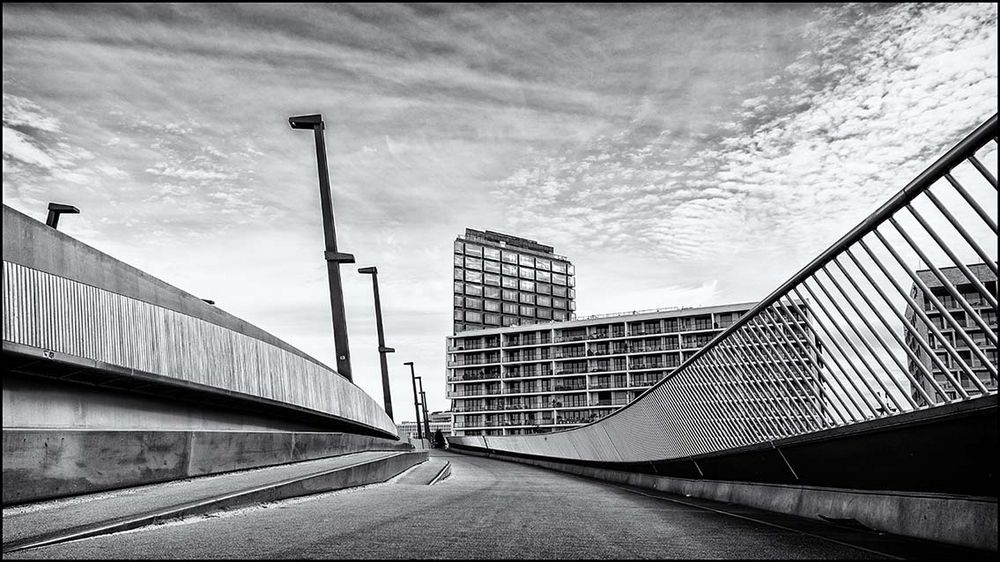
[
  {"x": 408, "y": 363},
  {"x": 371, "y": 270},
  {"x": 60, "y": 208},
  {"x": 314, "y": 121}
]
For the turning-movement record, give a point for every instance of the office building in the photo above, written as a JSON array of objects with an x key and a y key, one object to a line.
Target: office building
[
  {"x": 976, "y": 330},
  {"x": 544, "y": 377},
  {"x": 502, "y": 280}
]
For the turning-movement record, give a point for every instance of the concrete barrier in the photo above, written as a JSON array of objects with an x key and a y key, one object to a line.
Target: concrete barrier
[
  {"x": 969, "y": 521},
  {"x": 44, "y": 464}
]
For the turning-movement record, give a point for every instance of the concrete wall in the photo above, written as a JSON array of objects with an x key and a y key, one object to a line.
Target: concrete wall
[
  {"x": 43, "y": 403},
  {"x": 961, "y": 520},
  {"x": 39, "y": 464}
]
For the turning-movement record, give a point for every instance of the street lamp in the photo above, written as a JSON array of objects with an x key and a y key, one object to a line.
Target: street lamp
[
  {"x": 423, "y": 402},
  {"x": 333, "y": 257},
  {"x": 382, "y": 349},
  {"x": 416, "y": 402},
  {"x": 56, "y": 209}
]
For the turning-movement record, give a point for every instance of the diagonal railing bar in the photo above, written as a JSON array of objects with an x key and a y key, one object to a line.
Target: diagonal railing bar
[{"x": 900, "y": 314}]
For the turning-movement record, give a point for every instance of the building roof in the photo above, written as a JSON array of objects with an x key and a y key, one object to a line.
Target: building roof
[
  {"x": 955, "y": 276},
  {"x": 597, "y": 319}
]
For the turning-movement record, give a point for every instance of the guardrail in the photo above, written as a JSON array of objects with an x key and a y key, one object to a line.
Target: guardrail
[{"x": 860, "y": 333}]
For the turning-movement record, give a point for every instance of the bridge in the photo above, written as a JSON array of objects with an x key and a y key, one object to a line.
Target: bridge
[{"x": 852, "y": 412}]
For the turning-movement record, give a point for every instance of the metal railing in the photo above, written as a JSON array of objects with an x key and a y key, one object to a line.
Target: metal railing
[{"x": 847, "y": 339}]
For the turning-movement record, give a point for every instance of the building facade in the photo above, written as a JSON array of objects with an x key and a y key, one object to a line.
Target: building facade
[
  {"x": 545, "y": 377},
  {"x": 982, "y": 331},
  {"x": 437, "y": 420},
  {"x": 502, "y": 280}
]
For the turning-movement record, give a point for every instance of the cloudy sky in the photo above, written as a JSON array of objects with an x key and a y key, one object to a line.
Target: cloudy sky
[{"x": 678, "y": 154}]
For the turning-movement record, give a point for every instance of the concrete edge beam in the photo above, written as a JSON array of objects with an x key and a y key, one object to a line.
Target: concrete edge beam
[{"x": 966, "y": 521}]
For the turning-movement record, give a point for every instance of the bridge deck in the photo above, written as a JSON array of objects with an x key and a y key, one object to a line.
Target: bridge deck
[{"x": 495, "y": 509}]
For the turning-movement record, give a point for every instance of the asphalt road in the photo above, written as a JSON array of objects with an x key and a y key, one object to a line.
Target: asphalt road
[{"x": 485, "y": 509}]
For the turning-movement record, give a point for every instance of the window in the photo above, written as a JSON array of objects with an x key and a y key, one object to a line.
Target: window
[
  {"x": 558, "y": 279},
  {"x": 474, "y": 290},
  {"x": 459, "y": 246},
  {"x": 526, "y": 260},
  {"x": 458, "y": 273},
  {"x": 474, "y": 276},
  {"x": 474, "y": 250},
  {"x": 527, "y": 298},
  {"x": 491, "y": 292},
  {"x": 491, "y": 266},
  {"x": 526, "y": 273},
  {"x": 509, "y": 257},
  {"x": 473, "y": 303},
  {"x": 572, "y": 293},
  {"x": 527, "y": 285},
  {"x": 491, "y": 279},
  {"x": 557, "y": 267},
  {"x": 473, "y": 263},
  {"x": 543, "y": 264},
  {"x": 459, "y": 301},
  {"x": 559, "y": 291},
  {"x": 543, "y": 276},
  {"x": 571, "y": 280},
  {"x": 544, "y": 301},
  {"x": 508, "y": 269},
  {"x": 558, "y": 303},
  {"x": 527, "y": 311},
  {"x": 459, "y": 314},
  {"x": 492, "y": 306},
  {"x": 491, "y": 253},
  {"x": 509, "y": 295},
  {"x": 471, "y": 316},
  {"x": 492, "y": 319},
  {"x": 459, "y": 261},
  {"x": 459, "y": 286},
  {"x": 544, "y": 313},
  {"x": 509, "y": 308},
  {"x": 558, "y": 315},
  {"x": 508, "y": 320},
  {"x": 543, "y": 288},
  {"x": 508, "y": 282}
]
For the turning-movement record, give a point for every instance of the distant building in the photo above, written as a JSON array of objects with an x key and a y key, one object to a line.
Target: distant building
[
  {"x": 539, "y": 378},
  {"x": 438, "y": 420},
  {"x": 502, "y": 280},
  {"x": 978, "y": 304}
]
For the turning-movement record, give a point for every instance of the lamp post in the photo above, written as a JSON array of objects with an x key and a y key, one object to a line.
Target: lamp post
[
  {"x": 56, "y": 209},
  {"x": 423, "y": 402},
  {"x": 382, "y": 349},
  {"x": 333, "y": 257},
  {"x": 416, "y": 402}
]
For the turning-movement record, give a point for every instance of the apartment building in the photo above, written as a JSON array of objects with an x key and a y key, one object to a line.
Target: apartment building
[
  {"x": 502, "y": 280},
  {"x": 972, "y": 314},
  {"x": 545, "y": 377}
]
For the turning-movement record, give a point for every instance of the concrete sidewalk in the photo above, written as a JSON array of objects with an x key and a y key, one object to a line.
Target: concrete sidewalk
[{"x": 42, "y": 520}]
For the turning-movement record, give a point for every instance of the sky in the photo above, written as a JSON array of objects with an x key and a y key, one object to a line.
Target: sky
[{"x": 678, "y": 154}]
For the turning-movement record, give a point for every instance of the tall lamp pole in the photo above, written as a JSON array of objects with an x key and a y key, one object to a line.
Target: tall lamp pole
[
  {"x": 333, "y": 257},
  {"x": 382, "y": 349},
  {"x": 423, "y": 402},
  {"x": 416, "y": 402}
]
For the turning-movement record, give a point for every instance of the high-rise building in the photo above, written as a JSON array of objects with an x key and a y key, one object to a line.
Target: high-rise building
[
  {"x": 544, "y": 377},
  {"x": 977, "y": 330},
  {"x": 503, "y": 280}
]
